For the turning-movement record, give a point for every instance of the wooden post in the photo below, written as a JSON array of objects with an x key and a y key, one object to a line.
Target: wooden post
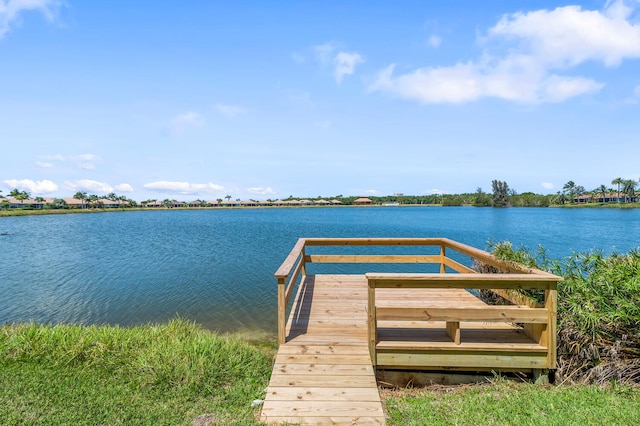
[
  {"x": 453, "y": 331},
  {"x": 282, "y": 309},
  {"x": 443, "y": 254},
  {"x": 372, "y": 324},
  {"x": 303, "y": 268},
  {"x": 551, "y": 305}
]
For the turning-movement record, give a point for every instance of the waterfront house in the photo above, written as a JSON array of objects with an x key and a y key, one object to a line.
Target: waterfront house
[{"x": 363, "y": 201}]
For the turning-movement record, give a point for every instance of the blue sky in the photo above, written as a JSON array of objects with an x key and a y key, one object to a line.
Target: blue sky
[{"x": 258, "y": 99}]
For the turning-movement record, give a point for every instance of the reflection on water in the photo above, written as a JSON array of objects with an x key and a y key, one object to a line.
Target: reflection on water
[{"x": 216, "y": 266}]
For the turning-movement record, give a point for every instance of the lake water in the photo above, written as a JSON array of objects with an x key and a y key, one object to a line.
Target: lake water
[{"x": 216, "y": 266}]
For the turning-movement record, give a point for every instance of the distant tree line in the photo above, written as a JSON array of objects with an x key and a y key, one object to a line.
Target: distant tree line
[{"x": 501, "y": 195}]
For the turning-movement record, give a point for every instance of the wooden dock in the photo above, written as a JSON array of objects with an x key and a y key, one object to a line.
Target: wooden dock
[
  {"x": 323, "y": 373},
  {"x": 341, "y": 328}
]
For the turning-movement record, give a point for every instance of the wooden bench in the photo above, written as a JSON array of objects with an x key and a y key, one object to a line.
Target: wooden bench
[{"x": 460, "y": 332}]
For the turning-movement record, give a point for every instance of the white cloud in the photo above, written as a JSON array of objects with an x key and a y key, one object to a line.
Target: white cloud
[
  {"x": 261, "y": 191},
  {"x": 124, "y": 187},
  {"x": 184, "y": 188},
  {"x": 532, "y": 48},
  {"x": 547, "y": 185},
  {"x": 11, "y": 10},
  {"x": 47, "y": 161},
  {"x": 371, "y": 191},
  {"x": 85, "y": 161},
  {"x": 345, "y": 64},
  {"x": 434, "y": 41},
  {"x": 56, "y": 157},
  {"x": 34, "y": 187},
  {"x": 89, "y": 186},
  {"x": 181, "y": 122},
  {"x": 230, "y": 110},
  {"x": 324, "y": 52}
]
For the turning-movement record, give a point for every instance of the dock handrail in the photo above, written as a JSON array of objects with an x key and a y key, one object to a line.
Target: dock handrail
[{"x": 539, "y": 318}]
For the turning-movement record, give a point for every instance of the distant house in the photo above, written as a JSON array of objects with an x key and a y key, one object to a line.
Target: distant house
[
  {"x": 75, "y": 203},
  {"x": 335, "y": 202},
  {"x": 363, "y": 201},
  {"x": 28, "y": 203},
  {"x": 603, "y": 198},
  {"x": 279, "y": 203},
  {"x": 322, "y": 202}
]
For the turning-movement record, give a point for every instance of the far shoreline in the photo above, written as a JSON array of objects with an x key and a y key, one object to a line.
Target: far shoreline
[{"x": 40, "y": 212}]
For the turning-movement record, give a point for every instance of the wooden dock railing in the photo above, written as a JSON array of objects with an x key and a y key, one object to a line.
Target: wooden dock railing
[{"x": 427, "y": 334}]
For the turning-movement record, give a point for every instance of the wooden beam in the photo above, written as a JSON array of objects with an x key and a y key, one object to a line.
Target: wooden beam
[
  {"x": 284, "y": 269},
  {"x": 478, "y": 281},
  {"x": 351, "y": 258},
  {"x": 488, "y": 313}
]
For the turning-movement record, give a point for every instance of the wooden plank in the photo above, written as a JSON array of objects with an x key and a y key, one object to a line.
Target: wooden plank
[
  {"x": 404, "y": 346},
  {"x": 477, "y": 281},
  {"x": 284, "y": 269},
  {"x": 519, "y": 314},
  {"x": 471, "y": 360},
  {"x": 358, "y": 359},
  {"x": 352, "y": 258},
  {"x": 325, "y": 409},
  {"x": 307, "y": 393},
  {"x": 327, "y": 381},
  {"x": 292, "y": 349},
  {"x": 457, "y": 266},
  {"x": 329, "y": 420},
  {"x": 315, "y": 369},
  {"x": 374, "y": 241}
]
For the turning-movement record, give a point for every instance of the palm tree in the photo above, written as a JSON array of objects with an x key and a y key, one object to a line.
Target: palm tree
[
  {"x": 618, "y": 181},
  {"x": 602, "y": 191},
  {"x": 629, "y": 189},
  {"x": 570, "y": 188},
  {"x": 20, "y": 195},
  {"x": 82, "y": 196},
  {"x": 228, "y": 197}
]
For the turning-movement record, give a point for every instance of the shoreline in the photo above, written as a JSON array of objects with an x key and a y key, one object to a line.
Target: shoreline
[{"x": 39, "y": 212}]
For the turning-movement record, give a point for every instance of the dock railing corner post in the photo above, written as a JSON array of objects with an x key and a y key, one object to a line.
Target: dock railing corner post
[
  {"x": 443, "y": 255},
  {"x": 551, "y": 304},
  {"x": 372, "y": 324},
  {"x": 282, "y": 307}
]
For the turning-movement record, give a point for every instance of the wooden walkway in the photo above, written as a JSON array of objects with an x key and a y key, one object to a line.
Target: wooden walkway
[{"x": 323, "y": 373}]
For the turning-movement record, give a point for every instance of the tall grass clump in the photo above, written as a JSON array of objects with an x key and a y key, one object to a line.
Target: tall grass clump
[
  {"x": 152, "y": 374},
  {"x": 598, "y": 312}
]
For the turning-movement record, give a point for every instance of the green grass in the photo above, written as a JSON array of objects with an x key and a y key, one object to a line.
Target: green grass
[
  {"x": 170, "y": 374},
  {"x": 508, "y": 403},
  {"x": 167, "y": 374}
]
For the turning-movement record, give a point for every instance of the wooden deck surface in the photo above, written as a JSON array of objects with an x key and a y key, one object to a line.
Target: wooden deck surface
[{"x": 323, "y": 373}]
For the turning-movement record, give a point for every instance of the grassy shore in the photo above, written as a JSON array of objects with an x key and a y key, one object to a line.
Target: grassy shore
[
  {"x": 161, "y": 375},
  {"x": 176, "y": 373}
]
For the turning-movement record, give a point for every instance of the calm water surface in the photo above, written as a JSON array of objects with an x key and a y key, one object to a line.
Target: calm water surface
[{"x": 216, "y": 266}]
